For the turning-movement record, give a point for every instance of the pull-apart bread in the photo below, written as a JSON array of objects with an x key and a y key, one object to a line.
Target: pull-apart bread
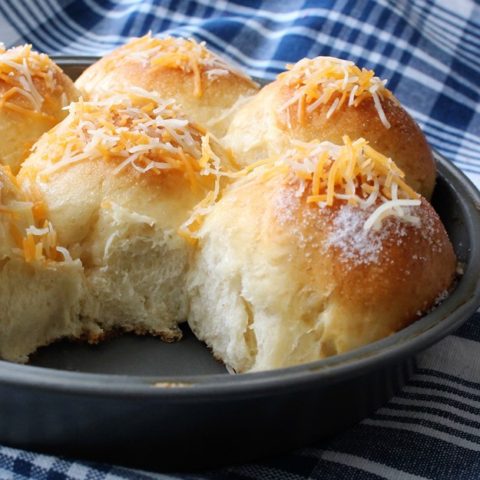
[
  {"x": 314, "y": 253},
  {"x": 279, "y": 223},
  {"x": 33, "y": 93},
  {"x": 206, "y": 87},
  {"x": 324, "y": 99},
  {"x": 40, "y": 286},
  {"x": 118, "y": 177}
]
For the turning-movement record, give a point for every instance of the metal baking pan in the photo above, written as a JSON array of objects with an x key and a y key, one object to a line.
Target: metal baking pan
[{"x": 140, "y": 402}]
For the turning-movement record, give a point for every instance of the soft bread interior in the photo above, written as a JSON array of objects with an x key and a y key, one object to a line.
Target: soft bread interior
[
  {"x": 39, "y": 304},
  {"x": 134, "y": 274}
]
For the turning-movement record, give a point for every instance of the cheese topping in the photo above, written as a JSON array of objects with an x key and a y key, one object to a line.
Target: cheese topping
[
  {"x": 211, "y": 164},
  {"x": 352, "y": 173},
  {"x": 40, "y": 244},
  {"x": 24, "y": 232},
  {"x": 135, "y": 130},
  {"x": 328, "y": 80},
  {"x": 21, "y": 70},
  {"x": 177, "y": 53}
]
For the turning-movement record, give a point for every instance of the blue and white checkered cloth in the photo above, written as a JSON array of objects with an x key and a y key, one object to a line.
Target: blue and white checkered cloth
[{"x": 430, "y": 52}]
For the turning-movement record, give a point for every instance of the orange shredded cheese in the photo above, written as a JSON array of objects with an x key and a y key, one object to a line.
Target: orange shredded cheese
[
  {"x": 352, "y": 173},
  {"x": 328, "y": 80},
  {"x": 135, "y": 130},
  {"x": 211, "y": 164},
  {"x": 41, "y": 244},
  {"x": 24, "y": 226},
  {"x": 21, "y": 71},
  {"x": 176, "y": 53}
]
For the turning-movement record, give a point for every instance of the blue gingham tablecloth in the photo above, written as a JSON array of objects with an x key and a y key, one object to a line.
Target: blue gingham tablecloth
[{"x": 430, "y": 52}]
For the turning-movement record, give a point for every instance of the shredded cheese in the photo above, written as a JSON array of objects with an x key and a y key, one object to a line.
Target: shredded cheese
[
  {"x": 329, "y": 175},
  {"x": 176, "y": 53},
  {"x": 211, "y": 164},
  {"x": 21, "y": 71},
  {"x": 40, "y": 244},
  {"x": 393, "y": 207},
  {"x": 65, "y": 253},
  {"x": 136, "y": 131},
  {"x": 353, "y": 173},
  {"x": 25, "y": 231},
  {"x": 334, "y": 82}
]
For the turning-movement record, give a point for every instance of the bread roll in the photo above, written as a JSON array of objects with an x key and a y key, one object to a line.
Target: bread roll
[
  {"x": 33, "y": 92},
  {"x": 203, "y": 84},
  {"x": 40, "y": 286},
  {"x": 313, "y": 254},
  {"x": 324, "y": 99},
  {"x": 118, "y": 178}
]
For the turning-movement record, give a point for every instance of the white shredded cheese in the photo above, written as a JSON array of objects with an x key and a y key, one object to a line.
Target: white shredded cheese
[
  {"x": 323, "y": 79},
  {"x": 39, "y": 232},
  {"x": 388, "y": 209},
  {"x": 66, "y": 254}
]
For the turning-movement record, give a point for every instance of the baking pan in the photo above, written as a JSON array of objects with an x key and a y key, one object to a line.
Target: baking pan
[{"x": 137, "y": 401}]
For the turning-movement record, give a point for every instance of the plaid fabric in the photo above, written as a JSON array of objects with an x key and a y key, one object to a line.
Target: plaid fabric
[{"x": 429, "y": 52}]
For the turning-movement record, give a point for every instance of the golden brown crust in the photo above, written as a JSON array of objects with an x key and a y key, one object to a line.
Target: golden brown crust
[
  {"x": 25, "y": 116},
  {"x": 206, "y": 90},
  {"x": 265, "y": 127},
  {"x": 404, "y": 142},
  {"x": 385, "y": 280}
]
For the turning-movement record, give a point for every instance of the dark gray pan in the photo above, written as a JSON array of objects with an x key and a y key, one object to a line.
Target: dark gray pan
[{"x": 141, "y": 402}]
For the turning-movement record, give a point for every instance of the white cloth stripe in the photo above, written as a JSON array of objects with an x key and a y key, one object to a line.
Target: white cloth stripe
[
  {"x": 70, "y": 31},
  {"x": 421, "y": 77},
  {"x": 93, "y": 38},
  {"x": 474, "y": 178},
  {"x": 453, "y": 132},
  {"x": 369, "y": 466},
  {"x": 441, "y": 394},
  {"x": 30, "y": 25},
  {"x": 451, "y": 356},
  {"x": 423, "y": 430},
  {"x": 425, "y": 377},
  {"x": 457, "y": 11},
  {"x": 432, "y": 417},
  {"x": 438, "y": 40},
  {"x": 60, "y": 31},
  {"x": 413, "y": 402},
  {"x": 456, "y": 145},
  {"x": 442, "y": 23}
]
